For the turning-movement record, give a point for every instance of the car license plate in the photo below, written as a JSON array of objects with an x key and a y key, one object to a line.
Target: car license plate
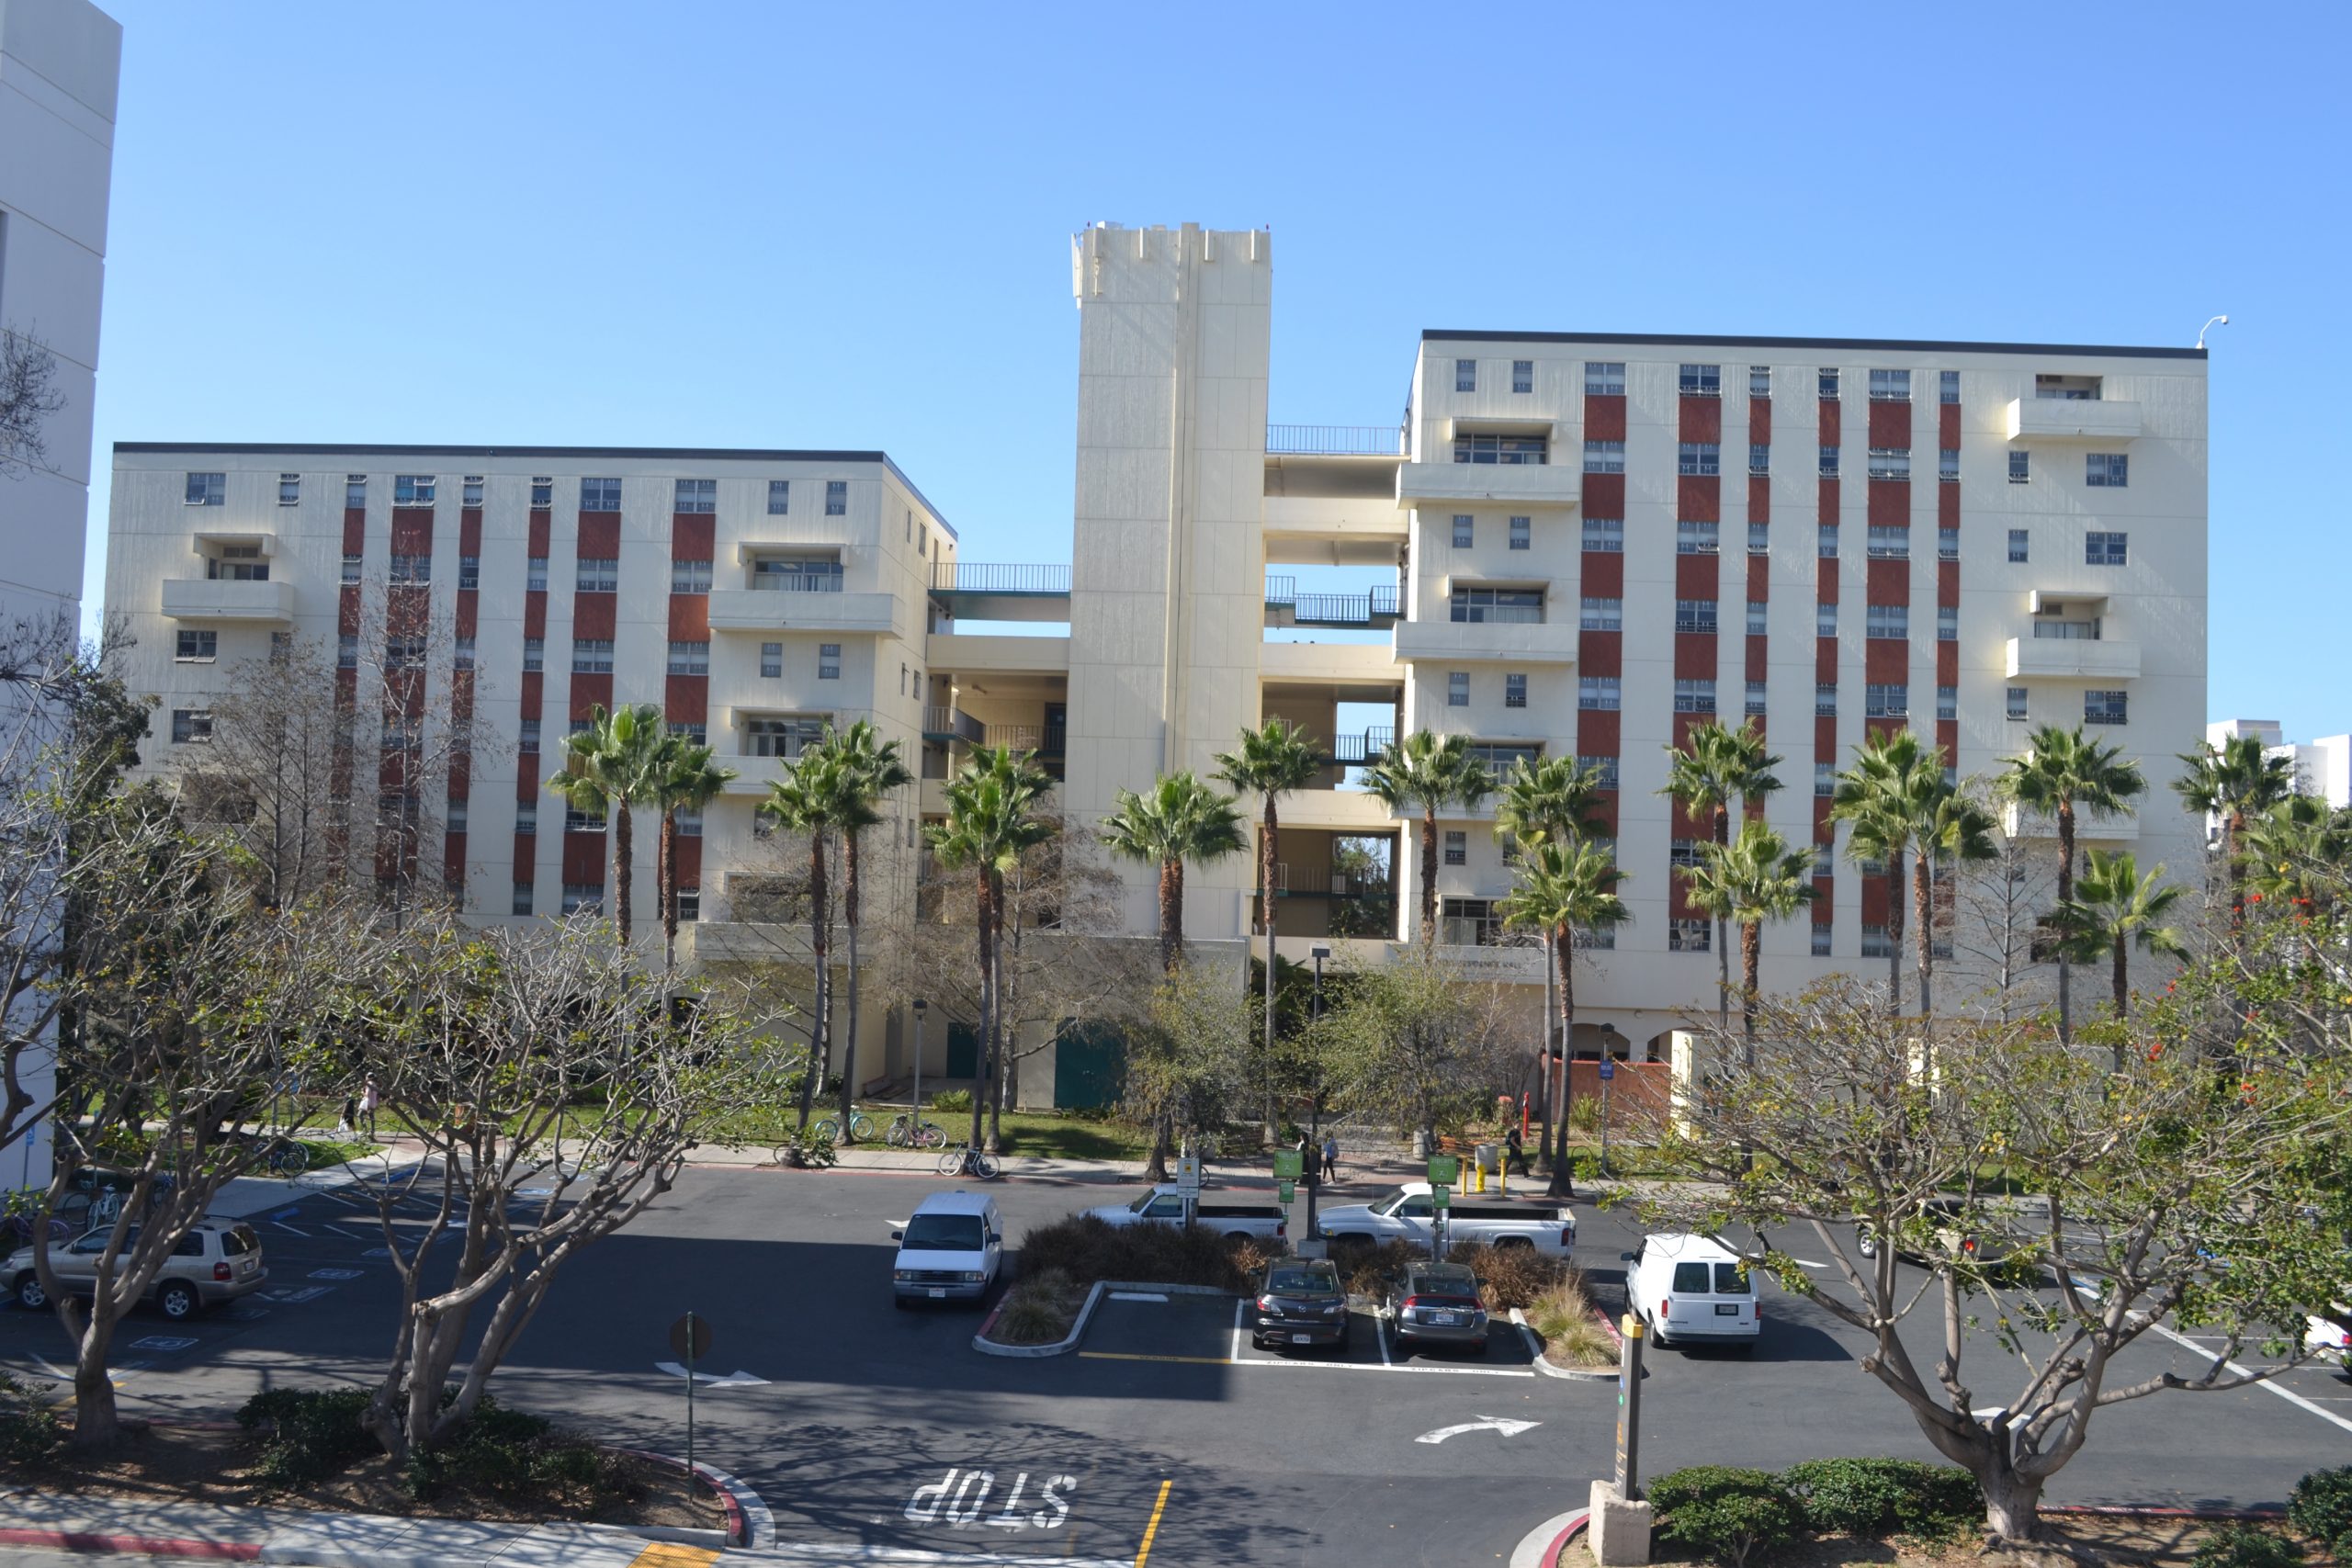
[
  {"x": 1302, "y": 1339},
  {"x": 1726, "y": 1309},
  {"x": 936, "y": 1290},
  {"x": 1447, "y": 1318}
]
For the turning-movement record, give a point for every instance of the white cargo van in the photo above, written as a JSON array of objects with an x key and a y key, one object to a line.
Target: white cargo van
[
  {"x": 950, "y": 1249},
  {"x": 1692, "y": 1290}
]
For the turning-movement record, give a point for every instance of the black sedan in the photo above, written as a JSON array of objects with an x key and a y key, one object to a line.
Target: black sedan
[{"x": 1302, "y": 1303}]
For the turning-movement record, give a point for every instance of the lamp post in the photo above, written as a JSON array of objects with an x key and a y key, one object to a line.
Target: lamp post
[
  {"x": 915, "y": 1121},
  {"x": 1320, "y": 952},
  {"x": 2216, "y": 321},
  {"x": 1608, "y": 1071}
]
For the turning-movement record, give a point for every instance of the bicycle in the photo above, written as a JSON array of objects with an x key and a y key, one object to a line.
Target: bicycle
[
  {"x": 861, "y": 1129},
  {"x": 906, "y": 1132},
  {"x": 964, "y": 1159},
  {"x": 285, "y": 1156}
]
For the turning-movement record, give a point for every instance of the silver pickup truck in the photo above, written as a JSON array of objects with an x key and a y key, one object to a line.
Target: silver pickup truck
[
  {"x": 1230, "y": 1217},
  {"x": 1407, "y": 1214}
]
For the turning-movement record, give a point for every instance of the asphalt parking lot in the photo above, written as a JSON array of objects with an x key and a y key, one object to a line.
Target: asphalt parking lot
[{"x": 866, "y": 1428}]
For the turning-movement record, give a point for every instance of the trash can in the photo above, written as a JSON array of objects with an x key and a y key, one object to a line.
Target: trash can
[{"x": 1490, "y": 1159}]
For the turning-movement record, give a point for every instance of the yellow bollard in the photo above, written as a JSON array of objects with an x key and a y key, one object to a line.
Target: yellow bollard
[
  {"x": 1477, "y": 1176},
  {"x": 1502, "y": 1177}
]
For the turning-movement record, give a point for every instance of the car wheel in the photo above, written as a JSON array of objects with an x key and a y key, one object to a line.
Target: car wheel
[
  {"x": 29, "y": 1296},
  {"x": 1657, "y": 1333},
  {"x": 177, "y": 1300},
  {"x": 1866, "y": 1245}
]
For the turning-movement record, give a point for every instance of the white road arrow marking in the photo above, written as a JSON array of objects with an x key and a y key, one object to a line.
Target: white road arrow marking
[
  {"x": 733, "y": 1380},
  {"x": 1502, "y": 1424}
]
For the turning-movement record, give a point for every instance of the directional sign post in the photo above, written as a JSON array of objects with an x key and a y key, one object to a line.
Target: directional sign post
[
  {"x": 1629, "y": 1410},
  {"x": 1608, "y": 1071},
  {"x": 1188, "y": 1186},
  {"x": 1286, "y": 1190},
  {"x": 690, "y": 1338}
]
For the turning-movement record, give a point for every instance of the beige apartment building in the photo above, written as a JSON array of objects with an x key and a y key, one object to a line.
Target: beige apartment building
[{"x": 1572, "y": 543}]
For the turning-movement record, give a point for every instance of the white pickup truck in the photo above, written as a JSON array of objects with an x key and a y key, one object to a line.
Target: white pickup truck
[
  {"x": 1226, "y": 1216},
  {"x": 1407, "y": 1214}
]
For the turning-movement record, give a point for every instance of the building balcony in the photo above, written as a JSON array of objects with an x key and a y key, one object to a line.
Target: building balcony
[
  {"x": 1285, "y": 606},
  {"x": 269, "y": 603},
  {"x": 983, "y": 591},
  {"x": 2071, "y": 418},
  {"x": 1340, "y": 810},
  {"x": 948, "y": 724},
  {"x": 752, "y": 775},
  {"x": 2019, "y": 823},
  {"x": 2071, "y": 658},
  {"x": 1335, "y": 440},
  {"x": 763, "y": 610},
  {"x": 1494, "y": 484},
  {"x": 1486, "y": 642},
  {"x": 931, "y": 799}
]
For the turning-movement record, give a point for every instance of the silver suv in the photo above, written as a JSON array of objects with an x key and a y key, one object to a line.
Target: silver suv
[{"x": 217, "y": 1260}]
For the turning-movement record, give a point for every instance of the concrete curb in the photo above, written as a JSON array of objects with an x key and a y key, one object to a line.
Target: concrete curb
[
  {"x": 135, "y": 1545},
  {"x": 1535, "y": 1343},
  {"x": 1540, "y": 1548},
  {"x": 749, "y": 1523},
  {"x": 1062, "y": 1346}
]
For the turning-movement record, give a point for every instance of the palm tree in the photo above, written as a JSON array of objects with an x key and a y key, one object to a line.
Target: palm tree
[
  {"x": 2113, "y": 908},
  {"x": 1279, "y": 758},
  {"x": 813, "y": 796},
  {"x": 1552, "y": 799},
  {"x": 2062, "y": 773},
  {"x": 992, "y": 819},
  {"x": 1755, "y": 878},
  {"x": 691, "y": 778},
  {"x": 2300, "y": 852},
  {"x": 1881, "y": 796},
  {"x": 1951, "y": 827},
  {"x": 1714, "y": 764},
  {"x": 615, "y": 763},
  {"x": 2236, "y": 780},
  {"x": 1565, "y": 888},
  {"x": 872, "y": 770},
  {"x": 1423, "y": 773},
  {"x": 1179, "y": 820}
]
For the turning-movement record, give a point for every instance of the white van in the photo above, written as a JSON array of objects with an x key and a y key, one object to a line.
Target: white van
[
  {"x": 950, "y": 1250},
  {"x": 1690, "y": 1290}
]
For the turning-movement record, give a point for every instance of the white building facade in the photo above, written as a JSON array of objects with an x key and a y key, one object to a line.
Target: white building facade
[{"x": 2322, "y": 767}]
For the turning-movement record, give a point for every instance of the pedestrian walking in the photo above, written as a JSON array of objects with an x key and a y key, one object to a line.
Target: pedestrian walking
[
  {"x": 1514, "y": 1151},
  {"x": 1330, "y": 1158},
  {"x": 368, "y": 1100},
  {"x": 350, "y": 1118}
]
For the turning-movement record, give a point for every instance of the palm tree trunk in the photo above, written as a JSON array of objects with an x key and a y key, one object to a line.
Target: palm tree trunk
[
  {"x": 1751, "y": 967},
  {"x": 1563, "y": 1183},
  {"x": 666, "y": 872},
  {"x": 2065, "y": 893},
  {"x": 1723, "y": 938},
  {"x": 2122, "y": 976},
  {"x": 849, "y": 918},
  {"x": 988, "y": 1002},
  {"x": 1429, "y": 874},
  {"x": 820, "y": 924},
  {"x": 1268, "y": 860},
  {"x": 624, "y": 851},
  {"x": 1171, "y": 915},
  {"x": 2231, "y": 825},
  {"x": 1545, "y": 1058},
  {"x": 1922, "y": 902},
  {"x": 995, "y": 1081},
  {"x": 1895, "y": 933}
]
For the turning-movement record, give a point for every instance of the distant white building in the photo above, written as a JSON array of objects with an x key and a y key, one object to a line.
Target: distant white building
[{"x": 2322, "y": 767}]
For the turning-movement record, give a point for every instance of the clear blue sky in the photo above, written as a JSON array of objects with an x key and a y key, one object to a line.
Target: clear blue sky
[{"x": 847, "y": 226}]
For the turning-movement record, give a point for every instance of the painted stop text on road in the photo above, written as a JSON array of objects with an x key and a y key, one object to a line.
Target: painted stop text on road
[{"x": 961, "y": 1502}]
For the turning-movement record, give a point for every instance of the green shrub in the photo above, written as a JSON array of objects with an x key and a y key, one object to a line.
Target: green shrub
[
  {"x": 1085, "y": 1249},
  {"x": 307, "y": 1434},
  {"x": 1879, "y": 1497},
  {"x": 2243, "y": 1546},
  {"x": 953, "y": 1099},
  {"x": 1726, "y": 1512},
  {"x": 29, "y": 1432},
  {"x": 2321, "y": 1505},
  {"x": 1510, "y": 1276},
  {"x": 1700, "y": 1482},
  {"x": 1039, "y": 1309}
]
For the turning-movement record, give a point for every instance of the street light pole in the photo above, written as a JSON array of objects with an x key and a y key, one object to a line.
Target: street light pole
[
  {"x": 915, "y": 1120},
  {"x": 1320, "y": 952}
]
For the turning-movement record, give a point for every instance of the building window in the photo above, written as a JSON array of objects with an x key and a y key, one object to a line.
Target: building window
[
  {"x": 2018, "y": 546},
  {"x": 1760, "y": 539},
  {"x": 1947, "y": 703},
  {"x": 1947, "y": 465},
  {"x": 542, "y": 491},
  {"x": 836, "y": 498},
  {"x": 1601, "y": 614},
  {"x": 1824, "y": 540},
  {"x": 1464, "y": 530},
  {"x": 1825, "y": 701},
  {"x": 2106, "y": 549},
  {"x": 355, "y": 491},
  {"x": 413, "y": 489},
  {"x": 351, "y": 569},
  {"x": 1821, "y": 941},
  {"x": 1694, "y": 615},
  {"x": 207, "y": 490},
  {"x": 1755, "y": 617},
  {"x": 1825, "y": 620},
  {"x": 527, "y": 738},
  {"x": 1604, "y": 378},
  {"x": 2021, "y": 466},
  {"x": 2108, "y": 469},
  {"x": 1604, "y": 535},
  {"x": 698, "y": 496},
  {"x": 1889, "y": 462},
  {"x": 1829, "y": 462},
  {"x": 1457, "y": 689},
  {"x": 1696, "y": 538},
  {"x": 469, "y": 491},
  {"x": 591, "y": 656},
  {"x": 1699, "y": 457},
  {"x": 461, "y": 653},
  {"x": 1466, "y": 375},
  {"x": 772, "y": 660},
  {"x": 522, "y": 903},
  {"x": 1522, "y": 533},
  {"x": 689, "y": 819},
  {"x": 535, "y": 654},
  {"x": 689, "y": 577},
  {"x": 453, "y": 819},
  {"x": 1457, "y": 848},
  {"x": 579, "y": 820},
  {"x": 598, "y": 574},
  {"x": 1948, "y": 623},
  {"x": 1694, "y": 696},
  {"x": 198, "y": 646},
  {"x": 2016, "y": 702},
  {"x": 829, "y": 661},
  {"x": 1759, "y": 380},
  {"x": 2105, "y": 707},
  {"x": 1947, "y": 544},
  {"x": 690, "y": 659},
  {"x": 470, "y": 571},
  {"x": 1528, "y": 450},
  {"x": 535, "y": 578},
  {"x": 1701, "y": 381},
  {"x": 695, "y": 734},
  {"x": 1887, "y": 541},
  {"x": 347, "y": 652},
  {"x": 1689, "y": 936},
  {"x": 191, "y": 726},
  {"x": 1948, "y": 386},
  {"x": 690, "y": 903},
  {"x": 1886, "y": 623},
  {"x": 1826, "y": 383},
  {"x": 1522, "y": 375},
  {"x": 584, "y": 898},
  {"x": 1517, "y": 607},
  {"x": 1605, "y": 456},
  {"x": 1886, "y": 702},
  {"x": 600, "y": 495},
  {"x": 1825, "y": 778},
  {"x": 404, "y": 652},
  {"x": 1876, "y": 944},
  {"x": 290, "y": 490},
  {"x": 785, "y": 737},
  {"x": 1682, "y": 852},
  {"x": 779, "y": 498},
  {"x": 1756, "y": 699},
  {"x": 1515, "y": 690},
  {"x": 1760, "y": 460},
  {"x": 412, "y": 569},
  {"x": 1603, "y": 769},
  {"x": 1599, "y": 693},
  {"x": 1890, "y": 386}
]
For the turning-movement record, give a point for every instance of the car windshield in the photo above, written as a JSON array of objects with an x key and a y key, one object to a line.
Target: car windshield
[
  {"x": 942, "y": 1233},
  {"x": 1302, "y": 1283},
  {"x": 1443, "y": 1282}
]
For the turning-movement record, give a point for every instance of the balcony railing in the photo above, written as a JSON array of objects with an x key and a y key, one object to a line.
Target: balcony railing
[
  {"x": 953, "y": 724},
  {"x": 797, "y": 581},
  {"x": 1335, "y": 441},
  {"x": 1364, "y": 747},
  {"x": 1282, "y": 590},
  {"x": 1019, "y": 737},
  {"x": 1331, "y": 609},
  {"x": 981, "y": 577},
  {"x": 1323, "y": 882}
]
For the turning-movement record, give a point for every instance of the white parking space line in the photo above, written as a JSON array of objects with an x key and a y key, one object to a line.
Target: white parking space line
[
  {"x": 1368, "y": 1367},
  {"x": 2288, "y": 1394},
  {"x": 1379, "y": 1333},
  {"x": 1237, "y": 1329}
]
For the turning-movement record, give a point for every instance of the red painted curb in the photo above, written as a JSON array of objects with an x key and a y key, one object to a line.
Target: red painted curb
[
  {"x": 739, "y": 1529},
  {"x": 1552, "y": 1552},
  {"x": 141, "y": 1545}
]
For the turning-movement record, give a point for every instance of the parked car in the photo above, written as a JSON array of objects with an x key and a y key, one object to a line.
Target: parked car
[
  {"x": 949, "y": 1250},
  {"x": 1301, "y": 1302},
  {"x": 1691, "y": 1289},
  {"x": 1234, "y": 1219},
  {"x": 1437, "y": 1303},
  {"x": 216, "y": 1261},
  {"x": 1408, "y": 1215},
  {"x": 2327, "y": 1335},
  {"x": 1947, "y": 1221}
]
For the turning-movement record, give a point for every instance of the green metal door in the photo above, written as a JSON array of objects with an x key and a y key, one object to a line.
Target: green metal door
[
  {"x": 1090, "y": 1067},
  {"x": 963, "y": 1050}
]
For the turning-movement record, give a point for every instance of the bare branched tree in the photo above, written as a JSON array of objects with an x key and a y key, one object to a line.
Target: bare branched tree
[
  {"x": 1420, "y": 1044},
  {"x": 29, "y": 396}
]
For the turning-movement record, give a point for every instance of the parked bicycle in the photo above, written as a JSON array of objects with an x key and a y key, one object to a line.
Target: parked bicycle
[
  {"x": 285, "y": 1156},
  {"x": 861, "y": 1129},
  {"x": 906, "y": 1132},
  {"x": 966, "y": 1160}
]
